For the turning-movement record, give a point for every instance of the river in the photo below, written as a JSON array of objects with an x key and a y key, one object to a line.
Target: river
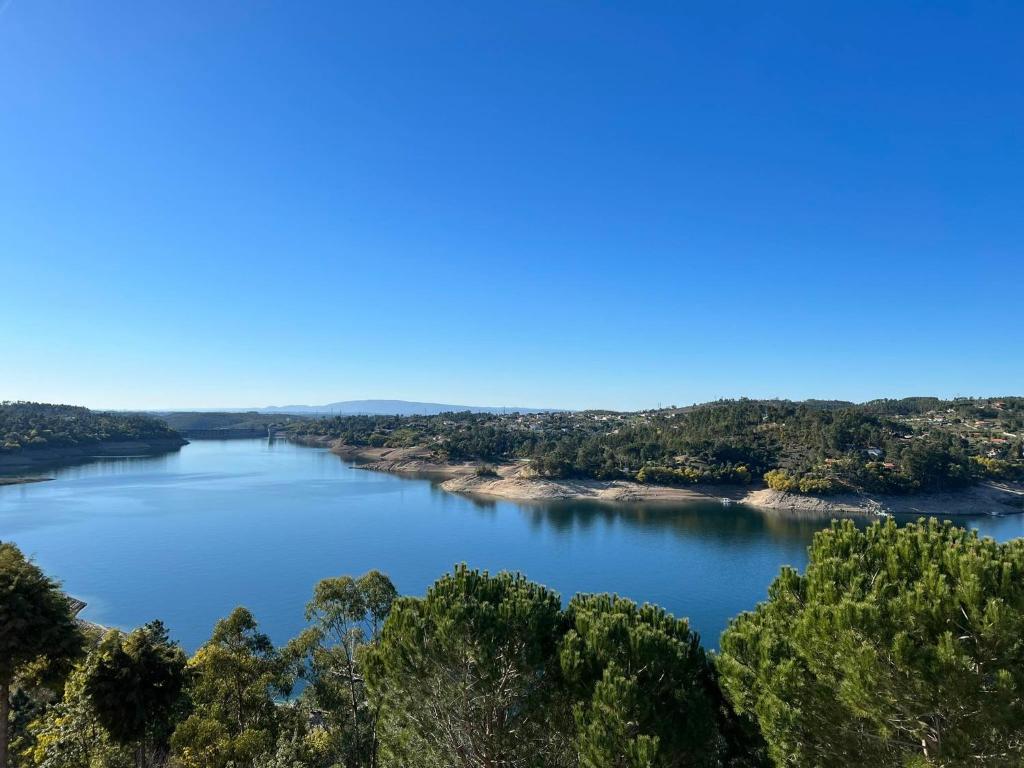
[{"x": 187, "y": 536}]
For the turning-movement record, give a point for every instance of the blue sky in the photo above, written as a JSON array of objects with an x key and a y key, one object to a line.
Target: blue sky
[{"x": 565, "y": 204}]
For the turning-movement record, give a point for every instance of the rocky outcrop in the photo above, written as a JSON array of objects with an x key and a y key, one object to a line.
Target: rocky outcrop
[{"x": 988, "y": 498}]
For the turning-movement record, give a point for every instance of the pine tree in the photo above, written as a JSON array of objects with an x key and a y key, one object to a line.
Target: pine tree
[
  {"x": 897, "y": 645},
  {"x": 645, "y": 690},
  {"x": 466, "y": 677}
]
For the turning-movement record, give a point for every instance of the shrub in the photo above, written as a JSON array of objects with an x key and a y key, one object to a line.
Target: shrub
[
  {"x": 781, "y": 480},
  {"x": 997, "y": 469},
  {"x": 810, "y": 484}
]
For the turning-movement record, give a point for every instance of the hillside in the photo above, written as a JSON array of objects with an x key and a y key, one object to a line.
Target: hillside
[
  {"x": 41, "y": 433},
  {"x": 915, "y": 445}
]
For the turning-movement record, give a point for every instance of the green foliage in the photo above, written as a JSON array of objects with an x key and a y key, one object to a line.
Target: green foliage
[
  {"x": 645, "y": 691},
  {"x": 35, "y": 625},
  {"x": 235, "y": 677},
  {"x": 117, "y": 709},
  {"x": 898, "y": 646},
  {"x": 819, "y": 485},
  {"x": 818, "y": 446},
  {"x": 134, "y": 683},
  {"x": 468, "y": 675},
  {"x": 997, "y": 469},
  {"x": 35, "y": 617},
  {"x": 305, "y": 747},
  {"x": 781, "y": 480},
  {"x": 68, "y": 734},
  {"x": 346, "y": 614},
  {"x": 29, "y": 426},
  {"x": 692, "y": 475},
  {"x": 487, "y": 670}
]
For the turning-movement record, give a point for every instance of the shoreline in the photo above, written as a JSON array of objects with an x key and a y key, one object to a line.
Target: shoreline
[
  {"x": 19, "y": 480},
  {"x": 514, "y": 482},
  {"x": 43, "y": 459}
]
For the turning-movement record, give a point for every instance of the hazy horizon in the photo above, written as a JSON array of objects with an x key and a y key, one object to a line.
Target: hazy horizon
[
  {"x": 520, "y": 406},
  {"x": 562, "y": 206}
]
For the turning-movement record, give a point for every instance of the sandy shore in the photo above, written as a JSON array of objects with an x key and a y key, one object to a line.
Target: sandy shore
[
  {"x": 513, "y": 481},
  {"x": 539, "y": 489},
  {"x": 517, "y": 483}
]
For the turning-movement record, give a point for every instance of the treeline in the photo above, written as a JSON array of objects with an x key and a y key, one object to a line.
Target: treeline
[
  {"x": 896, "y": 647},
  {"x": 186, "y": 420},
  {"x": 28, "y": 426},
  {"x": 887, "y": 446}
]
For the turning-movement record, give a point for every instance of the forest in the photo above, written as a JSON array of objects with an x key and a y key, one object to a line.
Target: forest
[
  {"x": 26, "y": 426},
  {"x": 897, "y": 646},
  {"x": 887, "y": 446}
]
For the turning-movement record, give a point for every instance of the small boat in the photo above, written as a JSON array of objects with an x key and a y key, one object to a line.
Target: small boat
[{"x": 726, "y": 502}]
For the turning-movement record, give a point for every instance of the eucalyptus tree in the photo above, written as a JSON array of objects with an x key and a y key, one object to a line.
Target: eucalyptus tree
[
  {"x": 346, "y": 614},
  {"x": 235, "y": 678}
]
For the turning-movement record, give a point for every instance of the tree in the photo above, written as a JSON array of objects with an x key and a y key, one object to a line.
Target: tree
[
  {"x": 347, "y": 614},
  {"x": 646, "y": 694},
  {"x": 468, "y": 675},
  {"x": 235, "y": 676},
  {"x": 35, "y": 622},
  {"x": 134, "y": 683},
  {"x": 68, "y": 734},
  {"x": 897, "y": 646}
]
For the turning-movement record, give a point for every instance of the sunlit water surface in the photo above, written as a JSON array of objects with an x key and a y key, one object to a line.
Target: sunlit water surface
[{"x": 187, "y": 536}]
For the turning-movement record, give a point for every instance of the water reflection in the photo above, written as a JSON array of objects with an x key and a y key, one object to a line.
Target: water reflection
[
  {"x": 734, "y": 523},
  {"x": 89, "y": 466}
]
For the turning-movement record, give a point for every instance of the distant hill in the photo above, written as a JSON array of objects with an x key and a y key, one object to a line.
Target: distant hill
[{"x": 395, "y": 408}]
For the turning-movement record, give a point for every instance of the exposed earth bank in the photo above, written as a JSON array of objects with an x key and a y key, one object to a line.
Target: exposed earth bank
[
  {"x": 987, "y": 498},
  {"x": 38, "y": 459},
  {"x": 17, "y": 479},
  {"x": 516, "y": 482}
]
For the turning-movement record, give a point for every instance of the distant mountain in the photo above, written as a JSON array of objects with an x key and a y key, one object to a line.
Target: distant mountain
[{"x": 394, "y": 408}]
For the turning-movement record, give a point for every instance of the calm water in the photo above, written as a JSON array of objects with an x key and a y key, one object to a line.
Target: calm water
[{"x": 188, "y": 536}]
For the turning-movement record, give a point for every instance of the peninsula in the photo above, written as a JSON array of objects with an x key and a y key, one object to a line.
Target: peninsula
[
  {"x": 37, "y": 436},
  {"x": 916, "y": 455}
]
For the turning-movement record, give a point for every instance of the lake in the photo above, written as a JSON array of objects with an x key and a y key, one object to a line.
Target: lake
[{"x": 187, "y": 536}]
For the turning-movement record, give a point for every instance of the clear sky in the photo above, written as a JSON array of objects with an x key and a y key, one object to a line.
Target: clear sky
[{"x": 566, "y": 204}]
